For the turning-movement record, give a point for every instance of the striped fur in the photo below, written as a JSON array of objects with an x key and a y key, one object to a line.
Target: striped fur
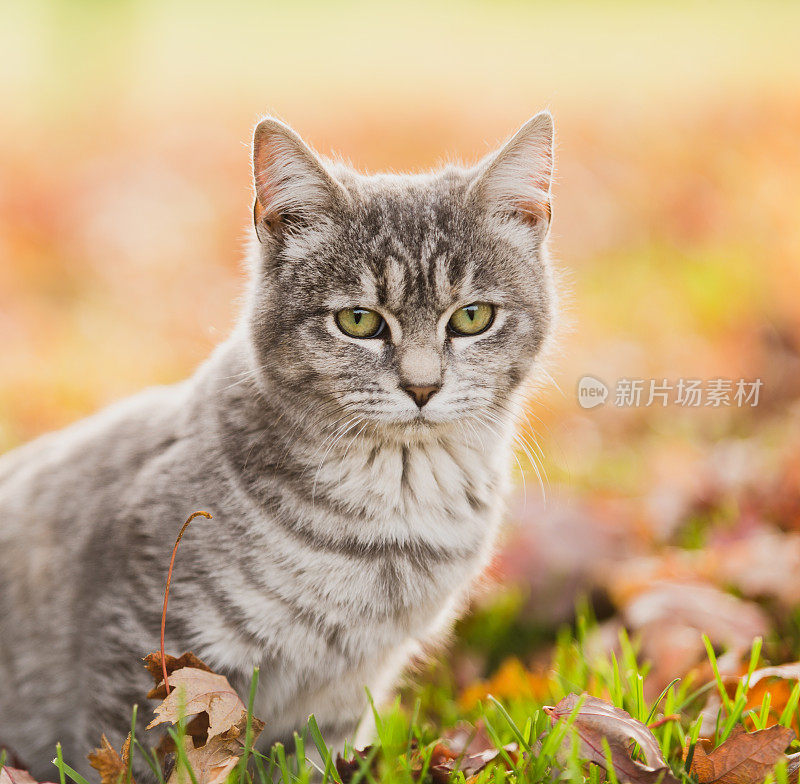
[{"x": 348, "y": 524}]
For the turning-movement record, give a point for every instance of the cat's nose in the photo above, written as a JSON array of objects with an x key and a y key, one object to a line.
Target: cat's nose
[{"x": 421, "y": 395}]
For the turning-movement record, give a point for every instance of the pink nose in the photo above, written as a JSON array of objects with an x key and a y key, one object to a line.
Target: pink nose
[{"x": 421, "y": 395}]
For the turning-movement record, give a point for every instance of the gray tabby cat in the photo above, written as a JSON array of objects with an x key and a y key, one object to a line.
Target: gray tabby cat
[{"x": 352, "y": 439}]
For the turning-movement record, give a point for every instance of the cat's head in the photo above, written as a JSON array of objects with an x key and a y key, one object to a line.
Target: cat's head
[{"x": 408, "y": 302}]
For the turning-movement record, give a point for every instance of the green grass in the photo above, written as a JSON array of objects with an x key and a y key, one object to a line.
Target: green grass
[{"x": 408, "y": 730}]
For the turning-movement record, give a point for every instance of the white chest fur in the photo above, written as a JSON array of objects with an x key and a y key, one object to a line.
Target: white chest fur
[{"x": 376, "y": 558}]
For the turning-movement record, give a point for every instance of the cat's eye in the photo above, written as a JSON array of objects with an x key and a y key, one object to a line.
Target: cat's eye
[
  {"x": 360, "y": 322},
  {"x": 472, "y": 319}
]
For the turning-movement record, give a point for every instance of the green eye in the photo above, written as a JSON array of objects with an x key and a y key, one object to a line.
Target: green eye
[
  {"x": 472, "y": 319},
  {"x": 360, "y": 322}
]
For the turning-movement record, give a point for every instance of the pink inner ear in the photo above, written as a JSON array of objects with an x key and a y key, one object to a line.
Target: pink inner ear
[
  {"x": 518, "y": 180},
  {"x": 273, "y": 165},
  {"x": 535, "y": 211},
  {"x": 258, "y": 211},
  {"x": 536, "y": 202},
  {"x": 290, "y": 180},
  {"x": 265, "y": 164}
]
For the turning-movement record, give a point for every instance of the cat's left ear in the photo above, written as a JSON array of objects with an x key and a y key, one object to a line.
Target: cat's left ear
[
  {"x": 516, "y": 179},
  {"x": 292, "y": 186}
]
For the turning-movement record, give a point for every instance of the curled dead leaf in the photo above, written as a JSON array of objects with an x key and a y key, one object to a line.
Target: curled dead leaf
[
  {"x": 743, "y": 758},
  {"x": 211, "y": 763},
  {"x": 775, "y": 681},
  {"x": 597, "y": 719},
  {"x": 347, "y": 768},
  {"x": 215, "y": 736},
  {"x": 15, "y": 776},
  {"x": 778, "y": 682},
  {"x": 197, "y": 691},
  {"x": 472, "y": 764},
  {"x": 152, "y": 663},
  {"x": 441, "y": 762},
  {"x": 465, "y": 748},
  {"x": 109, "y": 763},
  {"x": 473, "y": 749},
  {"x": 785, "y": 671}
]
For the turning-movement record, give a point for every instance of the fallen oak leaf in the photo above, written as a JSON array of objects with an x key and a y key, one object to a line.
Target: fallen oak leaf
[
  {"x": 15, "y": 776},
  {"x": 596, "y": 720},
  {"x": 786, "y": 671},
  {"x": 465, "y": 738},
  {"x": 743, "y": 758},
  {"x": 210, "y": 763},
  {"x": 197, "y": 728},
  {"x": 474, "y": 748},
  {"x": 440, "y": 767},
  {"x": 777, "y": 681},
  {"x": 152, "y": 663},
  {"x": 10, "y": 775},
  {"x": 215, "y": 737},
  {"x": 464, "y": 748},
  {"x": 106, "y": 760},
  {"x": 472, "y": 764},
  {"x": 347, "y": 768},
  {"x": 198, "y": 691}
]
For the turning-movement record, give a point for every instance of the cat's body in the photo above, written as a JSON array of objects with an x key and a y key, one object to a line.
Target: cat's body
[{"x": 350, "y": 515}]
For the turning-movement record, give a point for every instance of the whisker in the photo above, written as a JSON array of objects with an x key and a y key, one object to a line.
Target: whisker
[{"x": 354, "y": 422}]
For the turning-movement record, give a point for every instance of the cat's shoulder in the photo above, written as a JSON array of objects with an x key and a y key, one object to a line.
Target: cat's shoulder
[{"x": 117, "y": 432}]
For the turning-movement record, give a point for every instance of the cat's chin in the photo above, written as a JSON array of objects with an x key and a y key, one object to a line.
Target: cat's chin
[{"x": 417, "y": 427}]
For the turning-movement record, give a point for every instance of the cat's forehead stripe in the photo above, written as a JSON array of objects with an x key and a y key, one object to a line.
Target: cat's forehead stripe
[{"x": 410, "y": 252}]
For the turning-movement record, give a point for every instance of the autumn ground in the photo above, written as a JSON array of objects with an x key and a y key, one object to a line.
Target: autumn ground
[{"x": 123, "y": 197}]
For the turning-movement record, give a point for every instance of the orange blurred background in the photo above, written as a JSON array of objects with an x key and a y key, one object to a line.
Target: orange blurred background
[{"x": 125, "y": 188}]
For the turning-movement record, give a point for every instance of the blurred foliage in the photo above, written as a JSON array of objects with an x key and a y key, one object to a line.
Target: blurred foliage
[
  {"x": 124, "y": 179},
  {"x": 125, "y": 196}
]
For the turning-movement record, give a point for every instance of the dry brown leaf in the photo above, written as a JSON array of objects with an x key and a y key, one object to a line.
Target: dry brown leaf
[
  {"x": 469, "y": 759},
  {"x": 785, "y": 671},
  {"x": 15, "y": 776},
  {"x": 152, "y": 663},
  {"x": 215, "y": 737},
  {"x": 775, "y": 681},
  {"x": 472, "y": 764},
  {"x": 597, "y": 719},
  {"x": 111, "y": 766},
  {"x": 743, "y": 758},
  {"x": 210, "y": 763},
  {"x": 726, "y": 619},
  {"x": 469, "y": 740},
  {"x": 347, "y": 768},
  {"x": 470, "y": 750},
  {"x": 763, "y": 564},
  {"x": 442, "y": 758},
  {"x": 467, "y": 748},
  {"x": 196, "y": 691}
]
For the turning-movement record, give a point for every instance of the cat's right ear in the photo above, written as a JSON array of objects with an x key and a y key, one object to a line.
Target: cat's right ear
[
  {"x": 516, "y": 179},
  {"x": 292, "y": 186}
]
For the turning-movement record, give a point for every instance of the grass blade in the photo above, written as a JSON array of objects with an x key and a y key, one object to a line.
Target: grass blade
[{"x": 248, "y": 735}]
